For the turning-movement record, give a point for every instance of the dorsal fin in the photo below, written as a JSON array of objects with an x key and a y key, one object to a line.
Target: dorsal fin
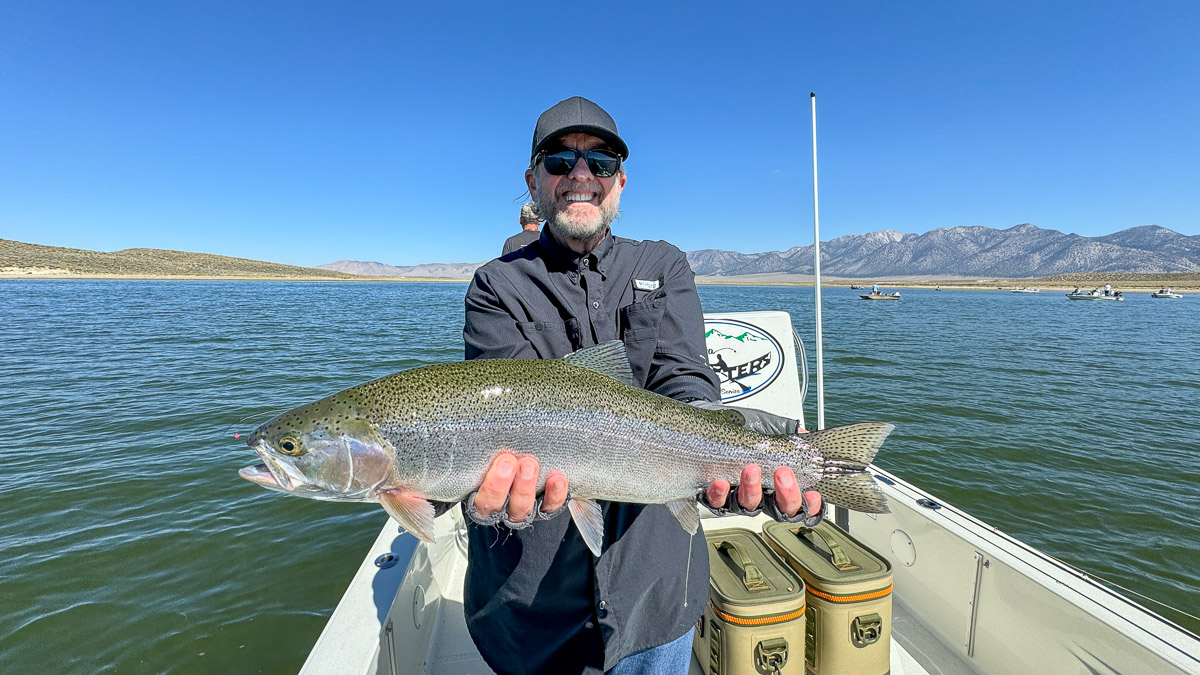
[{"x": 608, "y": 358}]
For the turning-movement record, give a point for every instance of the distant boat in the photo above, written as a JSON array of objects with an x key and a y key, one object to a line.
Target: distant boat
[
  {"x": 1166, "y": 293},
  {"x": 881, "y": 296},
  {"x": 1027, "y": 289},
  {"x": 1096, "y": 294},
  {"x": 855, "y": 288}
]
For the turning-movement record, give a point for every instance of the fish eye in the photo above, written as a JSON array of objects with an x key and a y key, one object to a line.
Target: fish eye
[{"x": 290, "y": 446}]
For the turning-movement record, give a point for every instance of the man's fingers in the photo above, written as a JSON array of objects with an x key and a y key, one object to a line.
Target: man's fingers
[
  {"x": 496, "y": 484},
  {"x": 717, "y": 493},
  {"x": 750, "y": 489},
  {"x": 788, "y": 497},
  {"x": 524, "y": 490},
  {"x": 812, "y": 500},
  {"x": 555, "y": 494}
]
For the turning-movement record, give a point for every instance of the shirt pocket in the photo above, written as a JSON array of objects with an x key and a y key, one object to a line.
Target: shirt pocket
[
  {"x": 640, "y": 321},
  {"x": 551, "y": 339}
]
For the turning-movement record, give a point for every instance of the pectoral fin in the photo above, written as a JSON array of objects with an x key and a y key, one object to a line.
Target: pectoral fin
[
  {"x": 411, "y": 510},
  {"x": 608, "y": 359},
  {"x": 687, "y": 512},
  {"x": 589, "y": 519}
]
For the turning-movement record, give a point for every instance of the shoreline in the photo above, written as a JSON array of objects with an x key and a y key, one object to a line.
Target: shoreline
[
  {"x": 1136, "y": 287},
  {"x": 76, "y": 276},
  {"x": 1181, "y": 283},
  {"x": 1189, "y": 284}
]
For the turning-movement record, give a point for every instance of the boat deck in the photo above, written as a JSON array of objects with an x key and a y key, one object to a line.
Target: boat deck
[
  {"x": 424, "y": 630},
  {"x": 967, "y": 599}
]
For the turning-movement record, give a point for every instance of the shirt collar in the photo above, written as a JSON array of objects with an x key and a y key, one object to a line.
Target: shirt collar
[{"x": 563, "y": 258}]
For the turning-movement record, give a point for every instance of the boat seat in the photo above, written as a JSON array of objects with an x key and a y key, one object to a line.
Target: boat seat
[{"x": 758, "y": 360}]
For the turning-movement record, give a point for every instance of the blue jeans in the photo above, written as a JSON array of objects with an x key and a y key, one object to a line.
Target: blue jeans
[{"x": 673, "y": 657}]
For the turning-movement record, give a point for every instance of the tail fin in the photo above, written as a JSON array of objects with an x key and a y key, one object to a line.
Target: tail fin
[{"x": 847, "y": 450}]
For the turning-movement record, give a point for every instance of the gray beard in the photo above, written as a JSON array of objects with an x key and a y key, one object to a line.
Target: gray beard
[{"x": 580, "y": 229}]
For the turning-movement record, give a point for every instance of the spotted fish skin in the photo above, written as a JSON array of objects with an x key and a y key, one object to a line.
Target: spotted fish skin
[{"x": 431, "y": 433}]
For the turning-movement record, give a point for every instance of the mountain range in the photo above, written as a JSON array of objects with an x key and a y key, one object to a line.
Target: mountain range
[
  {"x": 1020, "y": 252},
  {"x": 427, "y": 270},
  {"x": 1023, "y": 251}
]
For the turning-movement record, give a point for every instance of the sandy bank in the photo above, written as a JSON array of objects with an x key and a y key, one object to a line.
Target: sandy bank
[
  {"x": 1182, "y": 283},
  {"x": 51, "y": 273}
]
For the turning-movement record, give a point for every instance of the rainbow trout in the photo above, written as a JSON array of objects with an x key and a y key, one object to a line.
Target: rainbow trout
[{"x": 430, "y": 434}]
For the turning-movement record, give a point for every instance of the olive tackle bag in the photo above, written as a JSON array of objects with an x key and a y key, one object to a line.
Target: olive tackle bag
[
  {"x": 753, "y": 623},
  {"x": 849, "y": 598}
]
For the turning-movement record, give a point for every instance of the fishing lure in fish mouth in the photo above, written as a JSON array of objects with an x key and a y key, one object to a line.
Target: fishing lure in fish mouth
[{"x": 429, "y": 434}]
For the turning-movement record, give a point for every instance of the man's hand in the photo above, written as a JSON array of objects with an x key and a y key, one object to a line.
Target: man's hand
[
  {"x": 515, "y": 479},
  {"x": 788, "y": 496}
]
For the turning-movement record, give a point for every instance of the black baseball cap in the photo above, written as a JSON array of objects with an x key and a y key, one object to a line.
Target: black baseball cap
[{"x": 577, "y": 115}]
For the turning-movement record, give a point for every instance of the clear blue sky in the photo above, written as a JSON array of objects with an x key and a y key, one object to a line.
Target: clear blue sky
[{"x": 307, "y": 132}]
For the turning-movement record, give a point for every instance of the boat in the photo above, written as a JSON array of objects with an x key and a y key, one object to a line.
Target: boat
[
  {"x": 881, "y": 296},
  {"x": 968, "y": 598},
  {"x": 1166, "y": 293},
  {"x": 1095, "y": 294},
  {"x": 1027, "y": 289},
  {"x": 854, "y": 287}
]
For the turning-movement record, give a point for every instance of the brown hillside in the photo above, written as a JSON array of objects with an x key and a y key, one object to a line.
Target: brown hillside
[{"x": 15, "y": 256}]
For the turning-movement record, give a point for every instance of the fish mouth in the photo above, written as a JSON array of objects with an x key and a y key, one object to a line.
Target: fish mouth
[
  {"x": 271, "y": 473},
  {"x": 260, "y": 475}
]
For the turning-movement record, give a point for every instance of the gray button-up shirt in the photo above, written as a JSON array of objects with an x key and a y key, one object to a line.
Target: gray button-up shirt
[{"x": 536, "y": 600}]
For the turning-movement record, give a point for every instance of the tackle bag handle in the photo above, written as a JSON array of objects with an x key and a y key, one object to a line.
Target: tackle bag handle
[
  {"x": 837, "y": 556},
  {"x": 752, "y": 578}
]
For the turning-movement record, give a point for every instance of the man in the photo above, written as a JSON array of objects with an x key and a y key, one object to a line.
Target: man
[
  {"x": 529, "y": 220},
  {"x": 536, "y": 599}
]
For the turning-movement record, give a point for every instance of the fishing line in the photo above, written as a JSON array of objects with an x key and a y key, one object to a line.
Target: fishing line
[
  {"x": 687, "y": 574},
  {"x": 1127, "y": 590},
  {"x": 260, "y": 414}
]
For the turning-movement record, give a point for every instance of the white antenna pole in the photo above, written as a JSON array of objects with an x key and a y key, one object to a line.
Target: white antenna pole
[{"x": 817, "y": 273}]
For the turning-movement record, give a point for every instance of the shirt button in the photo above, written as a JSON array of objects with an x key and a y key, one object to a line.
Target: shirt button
[
  {"x": 584, "y": 262},
  {"x": 657, "y": 304},
  {"x": 595, "y": 305},
  {"x": 602, "y": 605}
]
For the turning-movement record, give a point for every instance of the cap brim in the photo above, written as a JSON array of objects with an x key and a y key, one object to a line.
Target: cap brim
[{"x": 614, "y": 142}]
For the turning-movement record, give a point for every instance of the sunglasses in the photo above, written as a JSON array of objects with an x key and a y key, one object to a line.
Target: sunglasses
[{"x": 602, "y": 163}]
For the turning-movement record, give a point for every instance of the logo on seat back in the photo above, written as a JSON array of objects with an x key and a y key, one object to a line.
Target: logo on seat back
[{"x": 746, "y": 358}]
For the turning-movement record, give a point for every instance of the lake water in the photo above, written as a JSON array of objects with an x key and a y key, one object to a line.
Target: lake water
[{"x": 129, "y": 542}]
